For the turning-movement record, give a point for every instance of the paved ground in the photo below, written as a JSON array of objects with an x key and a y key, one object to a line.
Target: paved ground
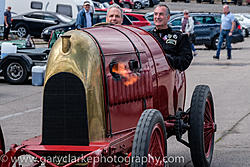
[{"x": 229, "y": 80}]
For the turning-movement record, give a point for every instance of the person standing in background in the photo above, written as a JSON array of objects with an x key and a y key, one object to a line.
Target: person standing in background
[
  {"x": 7, "y": 22},
  {"x": 84, "y": 17},
  {"x": 226, "y": 30},
  {"x": 187, "y": 27}
]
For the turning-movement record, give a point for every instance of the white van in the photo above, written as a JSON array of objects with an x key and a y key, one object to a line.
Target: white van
[{"x": 66, "y": 7}]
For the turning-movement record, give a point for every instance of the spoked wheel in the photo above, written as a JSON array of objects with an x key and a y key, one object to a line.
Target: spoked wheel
[
  {"x": 2, "y": 146},
  {"x": 202, "y": 127},
  {"x": 150, "y": 140}
]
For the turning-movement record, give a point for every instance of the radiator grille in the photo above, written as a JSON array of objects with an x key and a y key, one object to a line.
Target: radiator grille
[{"x": 64, "y": 111}]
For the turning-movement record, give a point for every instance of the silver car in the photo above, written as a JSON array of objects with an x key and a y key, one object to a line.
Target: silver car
[
  {"x": 139, "y": 4},
  {"x": 244, "y": 20}
]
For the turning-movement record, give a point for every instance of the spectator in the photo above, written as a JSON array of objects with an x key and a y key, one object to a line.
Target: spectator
[
  {"x": 84, "y": 17},
  {"x": 7, "y": 22},
  {"x": 175, "y": 44},
  {"x": 188, "y": 28},
  {"x": 114, "y": 14},
  {"x": 226, "y": 30}
]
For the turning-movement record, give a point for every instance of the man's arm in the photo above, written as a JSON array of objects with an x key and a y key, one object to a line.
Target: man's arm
[
  {"x": 232, "y": 28},
  {"x": 184, "y": 55},
  {"x": 5, "y": 21}
]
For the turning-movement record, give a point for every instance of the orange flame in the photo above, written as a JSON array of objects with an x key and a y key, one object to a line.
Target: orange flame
[{"x": 120, "y": 68}]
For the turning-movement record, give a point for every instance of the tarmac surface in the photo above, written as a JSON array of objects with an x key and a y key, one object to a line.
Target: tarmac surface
[{"x": 229, "y": 81}]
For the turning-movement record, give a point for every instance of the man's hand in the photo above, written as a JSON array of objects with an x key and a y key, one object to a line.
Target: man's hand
[{"x": 230, "y": 34}]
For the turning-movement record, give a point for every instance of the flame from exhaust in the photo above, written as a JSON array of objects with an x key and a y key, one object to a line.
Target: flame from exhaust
[{"x": 120, "y": 68}]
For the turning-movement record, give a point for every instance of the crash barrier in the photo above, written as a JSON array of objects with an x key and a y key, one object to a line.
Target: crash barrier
[
  {"x": 38, "y": 73},
  {"x": 7, "y": 48}
]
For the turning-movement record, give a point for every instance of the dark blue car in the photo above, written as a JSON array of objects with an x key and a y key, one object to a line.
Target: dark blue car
[{"x": 206, "y": 29}]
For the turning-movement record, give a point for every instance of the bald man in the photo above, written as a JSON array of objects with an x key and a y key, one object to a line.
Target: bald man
[
  {"x": 226, "y": 30},
  {"x": 114, "y": 14}
]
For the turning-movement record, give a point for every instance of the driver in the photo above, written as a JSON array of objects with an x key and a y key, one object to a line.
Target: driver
[{"x": 175, "y": 44}]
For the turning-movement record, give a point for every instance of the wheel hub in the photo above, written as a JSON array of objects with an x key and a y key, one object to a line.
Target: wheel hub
[{"x": 15, "y": 71}]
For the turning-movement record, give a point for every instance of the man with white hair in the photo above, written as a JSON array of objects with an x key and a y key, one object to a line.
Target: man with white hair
[
  {"x": 114, "y": 14},
  {"x": 226, "y": 30}
]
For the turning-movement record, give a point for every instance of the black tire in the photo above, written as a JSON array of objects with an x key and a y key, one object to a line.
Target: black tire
[
  {"x": 150, "y": 121},
  {"x": 137, "y": 5},
  {"x": 208, "y": 46},
  {"x": 245, "y": 32},
  {"x": 201, "y": 139},
  {"x": 198, "y": 1},
  {"x": 215, "y": 42},
  {"x": 2, "y": 146},
  {"x": 126, "y": 5},
  {"x": 151, "y": 4},
  {"x": 187, "y": 1},
  {"x": 15, "y": 72},
  {"x": 22, "y": 31},
  {"x": 211, "y": 2}
]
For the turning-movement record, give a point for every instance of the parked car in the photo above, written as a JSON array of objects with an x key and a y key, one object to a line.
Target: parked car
[
  {"x": 186, "y": 1},
  {"x": 153, "y": 2},
  {"x": 239, "y": 2},
  {"x": 97, "y": 18},
  {"x": 244, "y": 20},
  {"x": 150, "y": 15},
  {"x": 138, "y": 20},
  {"x": 33, "y": 23},
  {"x": 210, "y": 1},
  {"x": 206, "y": 29}
]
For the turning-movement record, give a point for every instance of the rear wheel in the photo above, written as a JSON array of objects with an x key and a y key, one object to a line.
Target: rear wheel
[
  {"x": 198, "y": 1},
  {"x": 202, "y": 127},
  {"x": 150, "y": 140},
  {"x": 15, "y": 72}
]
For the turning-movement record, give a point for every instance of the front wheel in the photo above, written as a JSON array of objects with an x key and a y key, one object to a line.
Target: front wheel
[
  {"x": 137, "y": 5},
  {"x": 15, "y": 72},
  {"x": 202, "y": 127},
  {"x": 22, "y": 31},
  {"x": 215, "y": 42},
  {"x": 150, "y": 140}
]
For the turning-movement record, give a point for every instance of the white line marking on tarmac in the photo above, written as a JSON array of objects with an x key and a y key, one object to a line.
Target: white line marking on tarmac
[{"x": 19, "y": 113}]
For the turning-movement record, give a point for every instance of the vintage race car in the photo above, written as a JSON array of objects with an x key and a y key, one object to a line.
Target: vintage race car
[{"x": 109, "y": 91}]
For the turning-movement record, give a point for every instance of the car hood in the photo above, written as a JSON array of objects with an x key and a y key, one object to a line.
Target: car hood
[{"x": 59, "y": 26}]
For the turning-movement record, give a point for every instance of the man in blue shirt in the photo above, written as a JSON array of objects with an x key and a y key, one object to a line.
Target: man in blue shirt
[
  {"x": 84, "y": 17},
  {"x": 7, "y": 22},
  {"x": 226, "y": 31}
]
